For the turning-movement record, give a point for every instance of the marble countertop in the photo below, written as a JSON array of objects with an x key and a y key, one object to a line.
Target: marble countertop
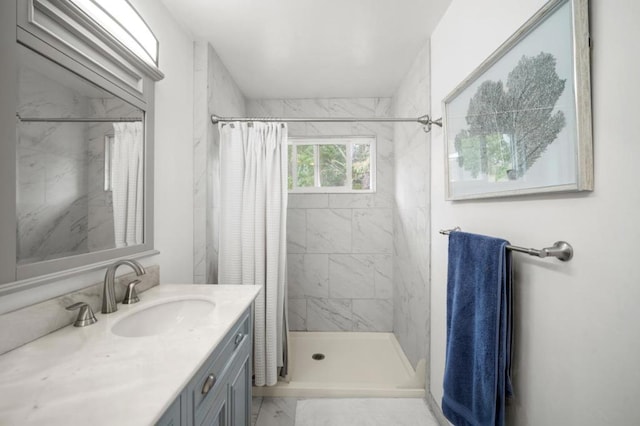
[{"x": 88, "y": 375}]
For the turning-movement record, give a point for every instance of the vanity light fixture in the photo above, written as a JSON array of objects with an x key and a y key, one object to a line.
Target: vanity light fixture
[{"x": 120, "y": 19}]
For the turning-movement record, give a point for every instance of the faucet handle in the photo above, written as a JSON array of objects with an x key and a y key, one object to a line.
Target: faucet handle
[
  {"x": 131, "y": 296},
  {"x": 85, "y": 316}
]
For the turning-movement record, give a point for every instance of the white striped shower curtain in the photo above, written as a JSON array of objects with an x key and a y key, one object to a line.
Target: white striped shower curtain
[
  {"x": 127, "y": 168},
  {"x": 252, "y": 232}
]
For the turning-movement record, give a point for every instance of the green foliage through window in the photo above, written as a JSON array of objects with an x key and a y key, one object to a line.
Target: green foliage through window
[
  {"x": 360, "y": 163},
  {"x": 331, "y": 164},
  {"x": 305, "y": 165}
]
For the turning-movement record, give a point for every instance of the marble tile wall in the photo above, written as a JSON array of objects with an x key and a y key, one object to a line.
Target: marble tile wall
[
  {"x": 411, "y": 213},
  {"x": 32, "y": 322},
  {"x": 340, "y": 246},
  {"x": 215, "y": 91},
  {"x": 63, "y": 208},
  {"x": 51, "y": 191}
]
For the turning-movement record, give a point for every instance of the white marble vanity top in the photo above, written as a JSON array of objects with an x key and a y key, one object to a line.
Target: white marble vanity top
[{"x": 88, "y": 375}]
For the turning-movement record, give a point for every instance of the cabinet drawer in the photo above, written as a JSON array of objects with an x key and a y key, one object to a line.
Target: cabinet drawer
[{"x": 210, "y": 378}]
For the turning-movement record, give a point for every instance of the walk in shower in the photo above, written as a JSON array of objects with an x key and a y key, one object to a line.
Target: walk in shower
[
  {"x": 351, "y": 264},
  {"x": 347, "y": 364}
]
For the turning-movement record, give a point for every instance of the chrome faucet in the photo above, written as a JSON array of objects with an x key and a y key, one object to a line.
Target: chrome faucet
[{"x": 109, "y": 303}]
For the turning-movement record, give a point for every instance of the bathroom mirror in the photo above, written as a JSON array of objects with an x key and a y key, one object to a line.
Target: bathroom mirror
[
  {"x": 79, "y": 165},
  {"x": 77, "y": 130}
]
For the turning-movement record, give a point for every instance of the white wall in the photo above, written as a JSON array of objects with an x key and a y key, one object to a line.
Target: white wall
[
  {"x": 577, "y": 325},
  {"x": 173, "y": 145}
]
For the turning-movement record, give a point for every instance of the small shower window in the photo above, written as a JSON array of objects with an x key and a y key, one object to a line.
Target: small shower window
[{"x": 332, "y": 164}]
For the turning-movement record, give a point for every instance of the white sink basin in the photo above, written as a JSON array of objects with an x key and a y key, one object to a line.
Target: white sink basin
[{"x": 164, "y": 317}]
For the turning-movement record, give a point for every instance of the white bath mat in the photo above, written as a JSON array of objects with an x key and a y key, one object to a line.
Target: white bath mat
[{"x": 364, "y": 412}]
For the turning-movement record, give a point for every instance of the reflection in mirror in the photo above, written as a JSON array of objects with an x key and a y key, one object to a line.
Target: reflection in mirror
[{"x": 80, "y": 165}]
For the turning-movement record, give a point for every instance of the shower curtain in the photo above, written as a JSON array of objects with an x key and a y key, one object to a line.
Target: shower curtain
[
  {"x": 252, "y": 233},
  {"x": 127, "y": 168}
]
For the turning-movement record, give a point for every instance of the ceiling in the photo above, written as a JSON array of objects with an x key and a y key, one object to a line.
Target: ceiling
[{"x": 313, "y": 48}]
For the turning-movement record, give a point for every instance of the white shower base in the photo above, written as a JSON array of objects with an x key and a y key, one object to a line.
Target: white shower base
[{"x": 355, "y": 365}]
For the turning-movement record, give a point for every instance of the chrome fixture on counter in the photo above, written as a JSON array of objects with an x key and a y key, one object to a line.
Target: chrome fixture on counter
[
  {"x": 131, "y": 296},
  {"x": 85, "y": 315},
  {"x": 109, "y": 303}
]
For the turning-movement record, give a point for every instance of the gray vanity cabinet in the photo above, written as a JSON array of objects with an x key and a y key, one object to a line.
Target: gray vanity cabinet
[
  {"x": 239, "y": 387},
  {"x": 220, "y": 392},
  {"x": 218, "y": 410},
  {"x": 173, "y": 415}
]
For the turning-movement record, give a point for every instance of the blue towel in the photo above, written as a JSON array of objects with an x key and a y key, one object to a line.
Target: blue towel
[{"x": 477, "y": 370}]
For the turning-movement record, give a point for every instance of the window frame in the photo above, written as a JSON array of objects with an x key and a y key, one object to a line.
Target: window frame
[{"x": 316, "y": 141}]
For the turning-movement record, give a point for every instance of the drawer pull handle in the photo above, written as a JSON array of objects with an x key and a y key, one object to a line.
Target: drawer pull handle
[
  {"x": 208, "y": 384},
  {"x": 238, "y": 339}
]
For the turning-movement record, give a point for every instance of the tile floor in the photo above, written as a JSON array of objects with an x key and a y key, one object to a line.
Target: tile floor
[{"x": 337, "y": 412}]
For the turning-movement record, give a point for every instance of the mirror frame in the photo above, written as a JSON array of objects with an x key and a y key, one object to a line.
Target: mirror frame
[{"x": 59, "y": 31}]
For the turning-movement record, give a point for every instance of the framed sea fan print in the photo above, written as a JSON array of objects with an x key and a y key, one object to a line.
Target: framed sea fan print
[{"x": 521, "y": 122}]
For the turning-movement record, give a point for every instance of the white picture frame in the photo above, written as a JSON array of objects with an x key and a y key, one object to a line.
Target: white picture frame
[{"x": 521, "y": 122}]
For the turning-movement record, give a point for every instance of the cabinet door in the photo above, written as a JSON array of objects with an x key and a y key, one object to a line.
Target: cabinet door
[
  {"x": 217, "y": 414},
  {"x": 173, "y": 415},
  {"x": 219, "y": 369},
  {"x": 240, "y": 395}
]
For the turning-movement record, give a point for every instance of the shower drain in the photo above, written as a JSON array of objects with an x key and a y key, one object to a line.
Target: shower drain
[{"x": 318, "y": 357}]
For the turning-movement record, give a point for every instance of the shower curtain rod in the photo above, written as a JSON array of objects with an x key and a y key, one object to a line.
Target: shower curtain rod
[
  {"x": 78, "y": 120},
  {"x": 425, "y": 120},
  {"x": 561, "y": 250}
]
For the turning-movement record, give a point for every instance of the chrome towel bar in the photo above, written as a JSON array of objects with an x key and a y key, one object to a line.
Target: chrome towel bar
[{"x": 561, "y": 250}]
